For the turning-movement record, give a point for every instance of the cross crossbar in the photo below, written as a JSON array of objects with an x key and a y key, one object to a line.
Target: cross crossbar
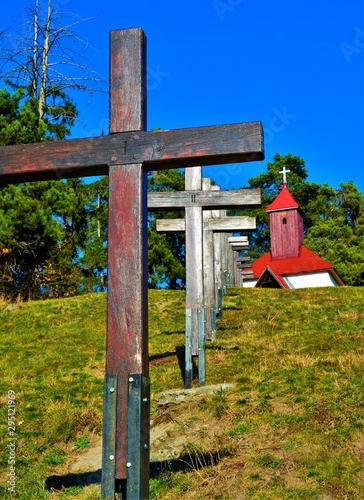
[
  {"x": 214, "y": 145},
  {"x": 217, "y": 224},
  {"x": 235, "y": 198}
]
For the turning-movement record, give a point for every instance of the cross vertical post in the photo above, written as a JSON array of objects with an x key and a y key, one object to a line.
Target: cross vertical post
[
  {"x": 209, "y": 270},
  {"x": 195, "y": 321},
  {"x": 127, "y": 324}
]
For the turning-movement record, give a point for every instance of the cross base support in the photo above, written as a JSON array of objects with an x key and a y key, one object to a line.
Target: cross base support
[
  {"x": 213, "y": 322},
  {"x": 195, "y": 345},
  {"x": 201, "y": 326},
  {"x": 109, "y": 438},
  {"x": 137, "y": 465},
  {"x": 220, "y": 292}
]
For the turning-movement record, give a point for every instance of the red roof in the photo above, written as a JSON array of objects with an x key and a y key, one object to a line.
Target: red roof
[
  {"x": 283, "y": 201},
  {"x": 306, "y": 262}
]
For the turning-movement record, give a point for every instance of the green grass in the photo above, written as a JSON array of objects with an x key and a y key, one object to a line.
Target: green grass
[{"x": 291, "y": 429}]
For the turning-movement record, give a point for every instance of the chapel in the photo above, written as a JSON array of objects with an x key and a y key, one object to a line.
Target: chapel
[{"x": 289, "y": 264}]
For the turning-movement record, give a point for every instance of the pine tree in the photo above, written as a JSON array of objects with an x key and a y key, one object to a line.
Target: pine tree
[
  {"x": 166, "y": 252},
  {"x": 333, "y": 219}
]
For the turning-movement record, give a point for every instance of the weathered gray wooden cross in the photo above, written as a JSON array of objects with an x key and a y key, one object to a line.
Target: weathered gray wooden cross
[
  {"x": 200, "y": 296},
  {"x": 126, "y": 155},
  {"x": 200, "y": 226}
]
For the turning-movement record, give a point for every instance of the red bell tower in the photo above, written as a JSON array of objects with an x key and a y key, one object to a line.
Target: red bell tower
[{"x": 286, "y": 224}]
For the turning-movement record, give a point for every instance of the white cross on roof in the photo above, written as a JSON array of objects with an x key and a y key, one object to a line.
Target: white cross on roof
[{"x": 284, "y": 172}]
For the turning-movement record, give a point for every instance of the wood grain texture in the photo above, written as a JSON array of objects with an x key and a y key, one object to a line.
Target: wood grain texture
[
  {"x": 221, "y": 224},
  {"x": 247, "y": 198},
  {"x": 127, "y": 330},
  {"x": 208, "y": 265},
  {"x": 194, "y": 254},
  {"x": 156, "y": 150},
  {"x": 127, "y": 80},
  {"x": 228, "y": 224},
  {"x": 241, "y": 244},
  {"x": 237, "y": 239},
  {"x": 127, "y": 327}
]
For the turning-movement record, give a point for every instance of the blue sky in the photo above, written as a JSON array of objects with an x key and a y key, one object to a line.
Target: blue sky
[{"x": 297, "y": 66}]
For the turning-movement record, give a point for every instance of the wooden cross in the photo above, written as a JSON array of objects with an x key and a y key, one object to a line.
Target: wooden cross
[
  {"x": 201, "y": 279},
  {"x": 284, "y": 172},
  {"x": 126, "y": 154},
  {"x": 236, "y": 244}
]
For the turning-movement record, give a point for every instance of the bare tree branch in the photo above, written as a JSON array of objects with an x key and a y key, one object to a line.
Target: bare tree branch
[{"x": 46, "y": 54}]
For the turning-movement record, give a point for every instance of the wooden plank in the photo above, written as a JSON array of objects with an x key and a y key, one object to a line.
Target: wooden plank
[
  {"x": 221, "y": 224},
  {"x": 237, "y": 239},
  {"x": 238, "y": 247},
  {"x": 128, "y": 80},
  {"x": 239, "y": 244},
  {"x": 229, "y": 224},
  {"x": 217, "y": 214},
  {"x": 194, "y": 254},
  {"x": 243, "y": 259},
  {"x": 214, "y": 145},
  {"x": 170, "y": 225},
  {"x": 127, "y": 329},
  {"x": 230, "y": 260},
  {"x": 127, "y": 332},
  {"x": 237, "y": 275},
  {"x": 247, "y": 198},
  {"x": 208, "y": 266}
]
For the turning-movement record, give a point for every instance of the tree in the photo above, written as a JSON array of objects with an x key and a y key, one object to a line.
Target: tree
[
  {"x": 166, "y": 252},
  {"x": 94, "y": 251},
  {"x": 45, "y": 57},
  {"x": 338, "y": 236},
  {"x": 44, "y": 227},
  {"x": 333, "y": 219},
  {"x": 19, "y": 123}
]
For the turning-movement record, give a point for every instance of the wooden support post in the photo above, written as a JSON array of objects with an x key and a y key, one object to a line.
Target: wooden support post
[
  {"x": 217, "y": 214},
  {"x": 209, "y": 270},
  {"x": 127, "y": 328},
  {"x": 194, "y": 276}
]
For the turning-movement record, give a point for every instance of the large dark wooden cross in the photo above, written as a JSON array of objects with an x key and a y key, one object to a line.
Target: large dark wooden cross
[{"x": 126, "y": 154}]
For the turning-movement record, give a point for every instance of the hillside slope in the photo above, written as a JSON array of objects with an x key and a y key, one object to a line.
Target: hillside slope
[{"x": 288, "y": 426}]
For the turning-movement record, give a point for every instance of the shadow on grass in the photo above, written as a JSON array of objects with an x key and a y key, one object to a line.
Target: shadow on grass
[
  {"x": 181, "y": 358},
  {"x": 157, "y": 357},
  {"x": 57, "y": 483},
  {"x": 185, "y": 463}
]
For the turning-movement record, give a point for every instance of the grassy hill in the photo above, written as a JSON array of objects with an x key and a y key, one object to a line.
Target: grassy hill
[{"x": 289, "y": 427}]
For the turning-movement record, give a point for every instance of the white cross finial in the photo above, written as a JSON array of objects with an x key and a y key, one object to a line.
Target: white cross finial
[{"x": 284, "y": 172}]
